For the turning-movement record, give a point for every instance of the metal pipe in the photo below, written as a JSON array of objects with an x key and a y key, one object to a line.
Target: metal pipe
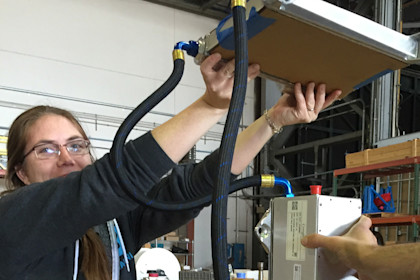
[
  {"x": 408, "y": 204},
  {"x": 74, "y": 99},
  {"x": 236, "y": 219},
  {"x": 397, "y": 77},
  {"x": 343, "y": 104},
  {"x": 362, "y": 145},
  {"x": 87, "y": 101},
  {"x": 399, "y": 203},
  {"x": 348, "y": 104},
  {"x": 246, "y": 235},
  {"x": 409, "y": 195},
  {"x": 373, "y": 118},
  {"x": 335, "y": 115},
  {"x": 142, "y": 125}
]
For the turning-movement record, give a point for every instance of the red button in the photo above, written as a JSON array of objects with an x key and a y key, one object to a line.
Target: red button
[{"x": 315, "y": 189}]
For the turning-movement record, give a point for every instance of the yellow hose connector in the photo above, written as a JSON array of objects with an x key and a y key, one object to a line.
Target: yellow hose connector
[
  {"x": 267, "y": 181},
  {"x": 177, "y": 54},
  {"x": 236, "y": 3}
]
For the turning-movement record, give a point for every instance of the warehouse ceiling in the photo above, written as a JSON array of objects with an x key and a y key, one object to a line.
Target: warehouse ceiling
[{"x": 219, "y": 9}]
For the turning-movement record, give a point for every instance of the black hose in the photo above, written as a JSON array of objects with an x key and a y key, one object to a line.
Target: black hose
[
  {"x": 234, "y": 187},
  {"x": 220, "y": 193},
  {"x": 117, "y": 150}
]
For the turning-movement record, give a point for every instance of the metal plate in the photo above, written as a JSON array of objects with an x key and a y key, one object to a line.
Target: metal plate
[{"x": 293, "y": 218}]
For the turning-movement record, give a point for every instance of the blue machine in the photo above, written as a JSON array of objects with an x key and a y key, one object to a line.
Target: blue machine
[
  {"x": 236, "y": 253},
  {"x": 374, "y": 202}
]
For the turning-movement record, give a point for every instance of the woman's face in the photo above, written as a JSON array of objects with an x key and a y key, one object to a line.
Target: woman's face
[{"x": 51, "y": 129}]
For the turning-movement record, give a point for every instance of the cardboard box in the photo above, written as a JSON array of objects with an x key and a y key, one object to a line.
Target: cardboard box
[
  {"x": 284, "y": 55},
  {"x": 384, "y": 154},
  {"x": 172, "y": 238}
]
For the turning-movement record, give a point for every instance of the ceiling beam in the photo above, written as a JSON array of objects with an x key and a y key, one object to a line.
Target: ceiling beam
[
  {"x": 322, "y": 142},
  {"x": 191, "y": 8}
]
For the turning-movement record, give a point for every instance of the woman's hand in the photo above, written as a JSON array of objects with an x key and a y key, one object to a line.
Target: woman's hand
[
  {"x": 180, "y": 133},
  {"x": 218, "y": 77},
  {"x": 302, "y": 107}
]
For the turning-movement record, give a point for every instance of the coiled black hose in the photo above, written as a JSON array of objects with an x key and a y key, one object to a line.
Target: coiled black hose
[{"x": 220, "y": 193}]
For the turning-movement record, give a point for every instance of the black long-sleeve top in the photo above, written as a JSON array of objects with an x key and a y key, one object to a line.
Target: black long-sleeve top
[{"x": 40, "y": 223}]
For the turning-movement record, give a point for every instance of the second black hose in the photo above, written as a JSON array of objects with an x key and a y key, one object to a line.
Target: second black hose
[{"x": 220, "y": 193}]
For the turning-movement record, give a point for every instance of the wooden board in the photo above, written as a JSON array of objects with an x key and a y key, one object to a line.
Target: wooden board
[{"x": 384, "y": 154}]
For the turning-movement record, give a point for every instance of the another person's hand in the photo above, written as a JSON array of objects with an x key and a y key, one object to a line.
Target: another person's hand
[
  {"x": 302, "y": 107},
  {"x": 218, "y": 77},
  {"x": 350, "y": 248}
]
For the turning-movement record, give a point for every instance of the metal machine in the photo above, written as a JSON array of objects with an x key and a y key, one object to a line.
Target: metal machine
[{"x": 289, "y": 219}]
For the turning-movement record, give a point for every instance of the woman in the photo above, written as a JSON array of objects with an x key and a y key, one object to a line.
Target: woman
[{"x": 66, "y": 217}]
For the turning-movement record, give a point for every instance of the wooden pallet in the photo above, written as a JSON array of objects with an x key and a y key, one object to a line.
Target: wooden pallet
[
  {"x": 384, "y": 215},
  {"x": 384, "y": 154}
]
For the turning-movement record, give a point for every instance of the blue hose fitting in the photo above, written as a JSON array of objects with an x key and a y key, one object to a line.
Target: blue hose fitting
[
  {"x": 269, "y": 181},
  {"x": 278, "y": 181},
  {"x": 191, "y": 47}
]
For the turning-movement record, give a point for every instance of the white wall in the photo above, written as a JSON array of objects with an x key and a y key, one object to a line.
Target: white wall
[{"x": 100, "y": 58}]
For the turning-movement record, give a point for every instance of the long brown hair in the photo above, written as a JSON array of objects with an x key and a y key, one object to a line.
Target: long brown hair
[{"x": 95, "y": 265}]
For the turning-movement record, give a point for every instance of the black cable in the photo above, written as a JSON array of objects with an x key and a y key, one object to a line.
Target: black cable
[{"x": 220, "y": 193}]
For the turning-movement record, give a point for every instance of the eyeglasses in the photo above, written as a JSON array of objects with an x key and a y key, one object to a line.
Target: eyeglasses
[{"x": 51, "y": 150}]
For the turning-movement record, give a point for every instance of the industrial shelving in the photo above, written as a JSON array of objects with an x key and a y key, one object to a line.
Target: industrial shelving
[
  {"x": 383, "y": 169},
  {"x": 185, "y": 258},
  {"x": 396, "y": 221}
]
